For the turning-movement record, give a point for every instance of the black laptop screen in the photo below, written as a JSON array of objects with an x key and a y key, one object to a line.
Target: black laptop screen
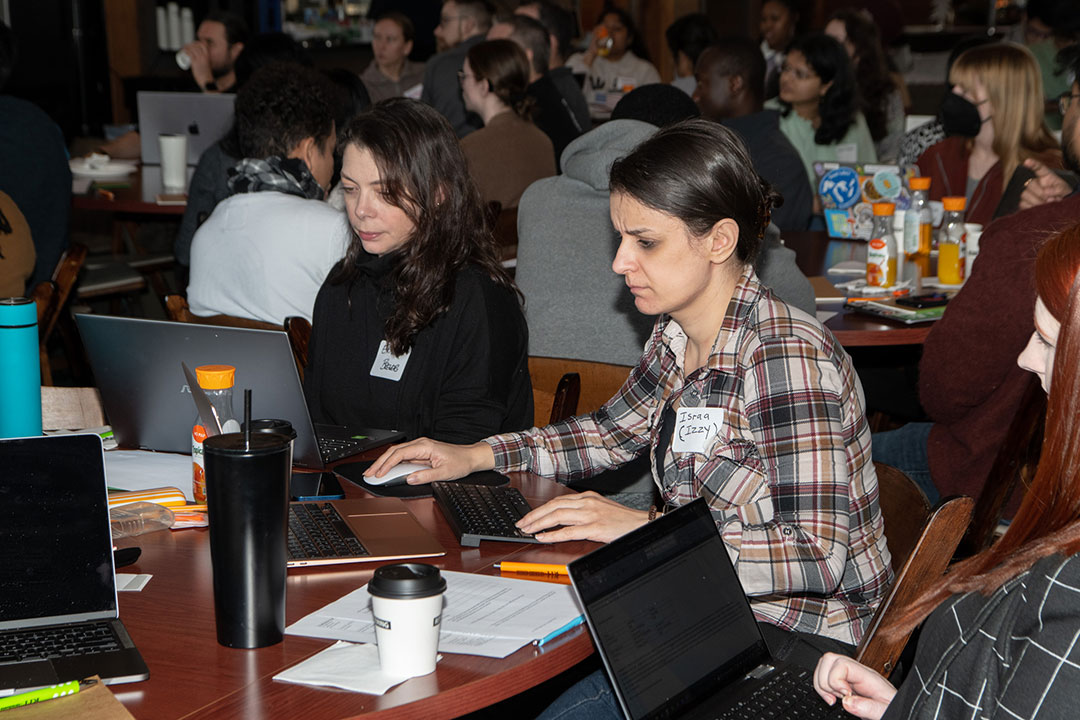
[
  {"x": 55, "y": 544},
  {"x": 669, "y": 614}
]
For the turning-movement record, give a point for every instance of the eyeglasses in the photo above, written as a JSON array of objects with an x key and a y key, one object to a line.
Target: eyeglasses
[{"x": 1065, "y": 100}]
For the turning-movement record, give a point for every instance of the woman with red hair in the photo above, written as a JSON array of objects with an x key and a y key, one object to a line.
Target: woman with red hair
[{"x": 1003, "y": 634}]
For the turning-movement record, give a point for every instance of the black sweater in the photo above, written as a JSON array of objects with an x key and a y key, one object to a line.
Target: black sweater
[{"x": 467, "y": 376}]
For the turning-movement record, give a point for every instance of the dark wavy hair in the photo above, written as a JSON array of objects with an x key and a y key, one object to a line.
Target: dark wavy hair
[
  {"x": 505, "y": 67},
  {"x": 280, "y": 105},
  {"x": 699, "y": 172},
  {"x": 424, "y": 173},
  {"x": 873, "y": 82},
  {"x": 837, "y": 107}
]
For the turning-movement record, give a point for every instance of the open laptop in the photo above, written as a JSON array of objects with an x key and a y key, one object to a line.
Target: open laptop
[
  {"x": 204, "y": 118},
  {"x": 137, "y": 367},
  {"x": 58, "y": 611},
  {"x": 675, "y": 630}
]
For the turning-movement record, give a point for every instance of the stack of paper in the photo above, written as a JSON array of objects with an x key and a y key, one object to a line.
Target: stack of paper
[{"x": 482, "y": 615}]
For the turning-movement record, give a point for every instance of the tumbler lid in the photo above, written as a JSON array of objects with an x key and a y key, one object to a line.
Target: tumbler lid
[
  {"x": 262, "y": 443},
  {"x": 272, "y": 425},
  {"x": 406, "y": 581}
]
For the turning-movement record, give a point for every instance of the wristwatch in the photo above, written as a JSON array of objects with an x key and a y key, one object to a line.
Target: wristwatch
[{"x": 210, "y": 86}]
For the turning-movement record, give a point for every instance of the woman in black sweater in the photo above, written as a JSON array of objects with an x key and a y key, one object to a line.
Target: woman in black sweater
[{"x": 417, "y": 328}]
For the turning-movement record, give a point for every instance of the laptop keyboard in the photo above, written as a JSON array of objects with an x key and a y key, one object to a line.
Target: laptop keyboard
[
  {"x": 57, "y": 642},
  {"x": 482, "y": 512},
  {"x": 787, "y": 693},
  {"x": 333, "y": 449},
  {"x": 316, "y": 530}
]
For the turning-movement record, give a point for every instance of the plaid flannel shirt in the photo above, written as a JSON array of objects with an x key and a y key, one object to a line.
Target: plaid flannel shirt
[{"x": 788, "y": 474}]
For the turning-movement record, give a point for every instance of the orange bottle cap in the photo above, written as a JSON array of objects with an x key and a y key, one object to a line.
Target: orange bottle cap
[
  {"x": 919, "y": 183},
  {"x": 215, "y": 377},
  {"x": 954, "y": 204},
  {"x": 884, "y": 208}
]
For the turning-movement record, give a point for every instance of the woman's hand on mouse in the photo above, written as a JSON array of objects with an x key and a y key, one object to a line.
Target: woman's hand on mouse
[{"x": 448, "y": 461}]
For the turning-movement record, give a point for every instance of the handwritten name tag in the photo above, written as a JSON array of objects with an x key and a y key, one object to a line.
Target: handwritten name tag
[
  {"x": 696, "y": 429},
  {"x": 387, "y": 365},
  {"x": 847, "y": 152}
]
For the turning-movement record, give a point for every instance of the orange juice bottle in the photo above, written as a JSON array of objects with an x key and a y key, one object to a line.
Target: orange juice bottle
[
  {"x": 881, "y": 253},
  {"x": 217, "y": 382},
  {"x": 917, "y": 219},
  {"x": 951, "y": 242}
]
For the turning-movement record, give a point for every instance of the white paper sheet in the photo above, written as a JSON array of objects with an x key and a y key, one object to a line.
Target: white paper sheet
[
  {"x": 482, "y": 615},
  {"x": 143, "y": 470},
  {"x": 128, "y": 582},
  {"x": 343, "y": 665}
]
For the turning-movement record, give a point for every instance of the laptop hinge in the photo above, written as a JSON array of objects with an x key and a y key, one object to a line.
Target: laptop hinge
[{"x": 760, "y": 671}]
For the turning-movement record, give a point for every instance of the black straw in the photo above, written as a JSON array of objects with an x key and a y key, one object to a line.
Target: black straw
[{"x": 247, "y": 419}]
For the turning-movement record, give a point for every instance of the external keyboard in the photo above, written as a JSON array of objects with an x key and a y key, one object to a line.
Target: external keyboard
[
  {"x": 482, "y": 512},
  {"x": 316, "y": 530},
  {"x": 57, "y": 642},
  {"x": 787, "y": 693}
]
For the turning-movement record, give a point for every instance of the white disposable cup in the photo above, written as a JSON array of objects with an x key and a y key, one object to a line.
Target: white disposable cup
[
  {"x": 173, "y": 161},
  {"x": 973, "y": 232},
  {"x": 407, "y": 632}
]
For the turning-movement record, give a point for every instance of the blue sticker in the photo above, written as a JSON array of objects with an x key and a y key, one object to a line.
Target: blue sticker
[{"x": 839, "y": 188}]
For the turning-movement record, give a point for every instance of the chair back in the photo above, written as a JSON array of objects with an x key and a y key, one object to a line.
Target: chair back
[
  {"x": 598, "y": 382},
  {"x": 178, "y": 310},
  {"x": 64, "y": 276},
  {"x": 916, "y": 564},
  {"x": 299, "y": 331},
  {"x": 1013, "y": 467}
]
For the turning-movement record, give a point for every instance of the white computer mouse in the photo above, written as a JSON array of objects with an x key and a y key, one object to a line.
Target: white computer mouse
[{"x": 396, "y": 475}]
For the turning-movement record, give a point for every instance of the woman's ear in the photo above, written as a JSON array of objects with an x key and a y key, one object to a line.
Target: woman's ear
[{"x": 722, "y": 240}]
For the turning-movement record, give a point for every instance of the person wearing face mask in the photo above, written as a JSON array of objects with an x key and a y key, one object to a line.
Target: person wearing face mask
[
  {"x": 265, "y": 250},
  {"x": 1000, "y": 637},
  {"x": 993, "y": 120}
]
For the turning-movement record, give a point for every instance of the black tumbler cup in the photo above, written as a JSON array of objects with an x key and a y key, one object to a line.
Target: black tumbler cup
[{"x": 247, "y": 497}]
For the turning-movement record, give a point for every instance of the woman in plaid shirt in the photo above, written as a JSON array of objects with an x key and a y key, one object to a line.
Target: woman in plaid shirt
[{"x": 738, "y": 398}]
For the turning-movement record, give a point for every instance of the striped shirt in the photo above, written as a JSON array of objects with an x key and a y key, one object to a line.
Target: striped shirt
[{"x": 787, "y": 473}]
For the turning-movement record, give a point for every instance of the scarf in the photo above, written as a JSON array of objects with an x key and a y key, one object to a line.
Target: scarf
[{"x": 288, "y": 175}]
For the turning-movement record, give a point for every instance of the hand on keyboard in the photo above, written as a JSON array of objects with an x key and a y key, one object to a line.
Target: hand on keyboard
[
  {"x": 447, "y": 461},
  {"x": 586, "y": 516},
  {"x": 865, "y": 693}
]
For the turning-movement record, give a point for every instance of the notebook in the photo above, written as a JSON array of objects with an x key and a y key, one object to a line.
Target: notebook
[
  {"x": 56, "y": 568},
  {"x": 674, "y": 628},
  {"x": 361, "y": 530},
  {"x": 136, "y": 364},
  {"x": 204, "y": 118}
]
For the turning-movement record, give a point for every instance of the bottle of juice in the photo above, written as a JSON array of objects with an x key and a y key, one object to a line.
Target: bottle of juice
[
  {"x": 881, "y": 253},
  {"x": 217, "y": 382},
  {"x": 917, "y": 219},
  {"x": 951, "y": 241}
]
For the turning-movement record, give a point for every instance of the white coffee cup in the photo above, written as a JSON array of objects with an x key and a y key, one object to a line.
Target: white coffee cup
[
  {"x": 973, "y": 231},
  {"x": 173, "y": 161},
  {"x": 407, "y": 603}
]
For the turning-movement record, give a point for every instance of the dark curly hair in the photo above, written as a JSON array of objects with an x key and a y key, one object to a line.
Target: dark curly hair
[
  {"x": 837, "y": 107},
  {"x": 423, "y": 172},
  {"x": 699, "y": 172},
  {"x": 873, "y": 82},
  {"x": 505, "y": 68},
  {"x": 280, "y": 105}
]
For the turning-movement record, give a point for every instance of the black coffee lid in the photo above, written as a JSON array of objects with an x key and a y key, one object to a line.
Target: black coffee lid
[
  {"x": 405, "y": 581},
  {"x": 272, "y": 425},
  {"x": 262, "y": 443}
]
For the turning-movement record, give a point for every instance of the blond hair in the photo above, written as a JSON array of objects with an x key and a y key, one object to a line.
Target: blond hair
[{"x": 1013, "y": 84}]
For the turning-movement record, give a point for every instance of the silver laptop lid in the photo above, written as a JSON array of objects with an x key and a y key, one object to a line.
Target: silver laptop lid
[
  {"x": 203, "y": 118},
  {"x": 137, "y": 367},
  {"x": 56, "y": 558}
]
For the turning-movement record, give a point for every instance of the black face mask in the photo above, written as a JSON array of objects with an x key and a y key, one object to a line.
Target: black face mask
[{"x": 959, "y": 116}]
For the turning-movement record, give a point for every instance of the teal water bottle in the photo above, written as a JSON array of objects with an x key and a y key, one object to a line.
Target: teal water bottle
[{"x": 20, "y": 372}]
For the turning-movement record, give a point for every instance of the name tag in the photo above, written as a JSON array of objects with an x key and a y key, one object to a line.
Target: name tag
[
  {"x": 696, "y": 429},
  {"x": 387, "y": 365},
  {"x": 847, "y": 152}
]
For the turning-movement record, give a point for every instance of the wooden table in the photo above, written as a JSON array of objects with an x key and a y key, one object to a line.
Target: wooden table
[
  {"x": 140, "y": 198},
  {"x": 172, "y": 622},
  {"x": 815, "y": 252}
]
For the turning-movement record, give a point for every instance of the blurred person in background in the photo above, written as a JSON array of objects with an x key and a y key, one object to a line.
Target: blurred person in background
[
  {"x": 615, "y": 62},
  {"x": 391, "y": 73},
  {"x": 687, "y": 38},
  {"x": 780, "y": 23}
]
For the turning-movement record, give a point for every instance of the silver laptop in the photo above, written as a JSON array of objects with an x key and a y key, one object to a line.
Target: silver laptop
[
  {"x": 147, "y": 401},
  {"x": 58, "y": 613},
  {"x": 204, "y": 118}
]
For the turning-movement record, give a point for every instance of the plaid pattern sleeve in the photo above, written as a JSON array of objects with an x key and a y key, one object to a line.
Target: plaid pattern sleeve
[{"x": 1013, "y": 655}]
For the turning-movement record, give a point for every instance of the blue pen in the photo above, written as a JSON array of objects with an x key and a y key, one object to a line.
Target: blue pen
[{"x": 556, "y": 633}]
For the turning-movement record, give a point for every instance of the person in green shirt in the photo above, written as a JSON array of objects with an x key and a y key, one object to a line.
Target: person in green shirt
[{"x": 818, "y": 106}]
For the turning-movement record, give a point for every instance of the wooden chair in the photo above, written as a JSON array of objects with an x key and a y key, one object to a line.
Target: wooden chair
[
  {"x": 921, "y": 542},
  {"x": 1014, "y": 465},
  {"x": 299, "y": 331},
  {"x": 71, "y": 408},
  {"x": 177, "y": 308},
  {"x": 552, "y": 406},
  {"x": 505, "y": 232},
  {"x": 598, "y": 381},
  {"x": 51, "y": 297}
]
